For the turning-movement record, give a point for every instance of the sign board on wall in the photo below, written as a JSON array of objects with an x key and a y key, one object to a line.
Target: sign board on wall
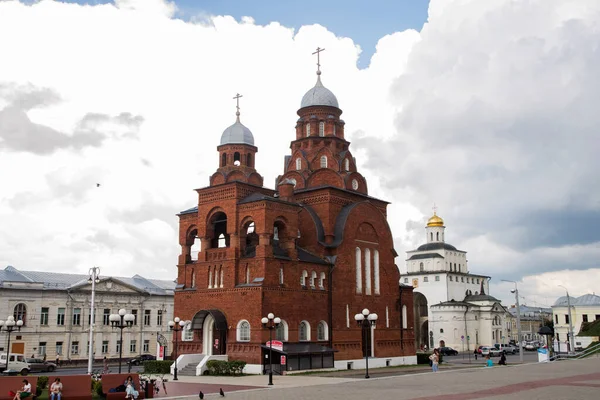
[
  {"x": 283, "y": 360},
  {"x": 160, "y": 352},
  {"x": 275, "y": 344}
]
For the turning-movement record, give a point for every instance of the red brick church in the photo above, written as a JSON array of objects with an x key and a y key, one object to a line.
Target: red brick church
[{"x": 314, "y": 251}]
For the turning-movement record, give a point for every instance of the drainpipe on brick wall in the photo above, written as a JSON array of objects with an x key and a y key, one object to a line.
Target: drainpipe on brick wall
[{"x": 330, "y": 300}]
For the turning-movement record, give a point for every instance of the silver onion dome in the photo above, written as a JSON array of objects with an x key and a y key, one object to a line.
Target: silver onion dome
[
  {"x": 237, "y": 134},
  {"x": 319, "y": 96}
]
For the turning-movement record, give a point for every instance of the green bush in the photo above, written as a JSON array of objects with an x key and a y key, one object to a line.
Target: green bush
[
  {"x": 97, "y": 388},
  {"x": 42, "y": 382},
  {"x": 157, "y": 367},
  {"x": 218, "y": 367}
]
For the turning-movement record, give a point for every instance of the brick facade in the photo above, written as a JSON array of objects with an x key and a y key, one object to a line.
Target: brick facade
[{"x": 256, "y": 244}]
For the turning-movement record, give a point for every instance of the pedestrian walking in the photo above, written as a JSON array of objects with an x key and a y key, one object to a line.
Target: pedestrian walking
[
  {"x": 435, "y": 360},
  {"x": 105, "y": 366}
]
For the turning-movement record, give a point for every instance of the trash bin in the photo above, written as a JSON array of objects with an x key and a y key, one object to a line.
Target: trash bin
[{"x": 149, "y": 389}]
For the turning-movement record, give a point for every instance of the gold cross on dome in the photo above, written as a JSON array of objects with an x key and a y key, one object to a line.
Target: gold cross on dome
[{"x": 318, "y": 53}]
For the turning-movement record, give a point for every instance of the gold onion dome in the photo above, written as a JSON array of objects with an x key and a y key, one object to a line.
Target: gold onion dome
[{"x": 435, "y": 221}]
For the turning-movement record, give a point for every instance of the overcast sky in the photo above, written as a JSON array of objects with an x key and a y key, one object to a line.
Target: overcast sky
[{"x": 487, "y": 109}]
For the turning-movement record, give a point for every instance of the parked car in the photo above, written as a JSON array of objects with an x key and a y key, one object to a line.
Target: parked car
[
  {"x": 16, "y": 362},
  {"x": 480, "y": 348},
  {"x": 506, "y": 348},
  {"x": 448, "y": 351},
  {"x": 141, "y": 358},
  {"x": 492, "y": 351},
  {"x": 531, "y": 346},
  {"x": 39, "y": 365}
]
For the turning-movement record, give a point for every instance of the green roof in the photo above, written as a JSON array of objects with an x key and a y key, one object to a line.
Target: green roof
[{"x": 590, "y": 328}]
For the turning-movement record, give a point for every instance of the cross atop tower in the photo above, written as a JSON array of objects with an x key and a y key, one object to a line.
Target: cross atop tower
[
  {"x": 318, "y": 53},
  {"x": 237, "y": 106},
  {"x": 434, "y": 208}
]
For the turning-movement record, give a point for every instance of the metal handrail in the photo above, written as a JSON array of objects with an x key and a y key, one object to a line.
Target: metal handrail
[{"x": 578, "y": 356}]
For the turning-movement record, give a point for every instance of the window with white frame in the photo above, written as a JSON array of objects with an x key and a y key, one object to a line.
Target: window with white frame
[
  {"x": 304, "y": 331},
  {"x": 281, "y": 332},
  {"x": 313, "y": 278},
  {"x": 298, "y": 164},
  {"x": 376, "y": 271},
  {"x": 243, "y": 331},
  {"x": 77, "y": 316},
  {"x": 20, "y": 313},
  {"x": 323, "y": 161},
  {"x": 74, "y": 347},
  {"x": 346, "y": 165},
  {"x": 59, "y": 348},
  {"x": 368, "y": 272},
  {"x": 44, "y": 316},
  {"x": 104, "y": 346},
  {"x": 187, "y": 335},
  {"x": 358, "y": 262},
  {"x": 281, "y": 276},
  {"x": 308, "y": 129},
  {"x": 133, "y": 346},
  {"x": 146, "y": 347},
  {"x": 334, "y": 129},
  {"x": 404, "y": 317},
  {"x": 321, "y": 128},
  {"x": 303, "y": 278},
  {"x": 322, "y": 332},
  {"x": 322, "y": 280}
]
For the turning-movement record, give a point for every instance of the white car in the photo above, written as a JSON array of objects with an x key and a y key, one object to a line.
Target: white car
[
  {"x": 16, "y": 362},
  {"x": 492, "y": 351}
]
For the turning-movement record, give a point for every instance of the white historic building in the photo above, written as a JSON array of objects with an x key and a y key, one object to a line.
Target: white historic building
[
  {"x": 585, "y": 308},
  {"x": 451, "y": 304},
  {"x": 55, "y": 310}
]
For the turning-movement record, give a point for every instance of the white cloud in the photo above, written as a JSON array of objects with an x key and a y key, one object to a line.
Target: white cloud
[{"x": 488, "y": 111}]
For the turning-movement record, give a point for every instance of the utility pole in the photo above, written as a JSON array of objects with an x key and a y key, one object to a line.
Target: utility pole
[
  {"x": 571, "y": 338},
  {"x": 516, "y": 292}
]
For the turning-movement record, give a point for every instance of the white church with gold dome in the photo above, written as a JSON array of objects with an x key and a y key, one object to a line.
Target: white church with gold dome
[{"x": 452, "y": 307}]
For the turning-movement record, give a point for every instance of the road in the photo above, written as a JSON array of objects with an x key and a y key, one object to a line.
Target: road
[{"x": 83, "y": 370}]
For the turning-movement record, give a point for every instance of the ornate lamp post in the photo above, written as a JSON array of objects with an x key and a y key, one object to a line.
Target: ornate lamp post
[
  {"x": 121, "y": 321},
  {"x": 176, "y": 326},
  {"x": 366, "y": 320},
  {"x": 93, "y": 279},
  {"x": 270, "y": 322},
  {"x": 10, "y": 325}
]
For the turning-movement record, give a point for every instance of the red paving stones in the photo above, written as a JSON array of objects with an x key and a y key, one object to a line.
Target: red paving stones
[
  {"x": 520, "y": 387},
  {"x": 187, "y": 389}
]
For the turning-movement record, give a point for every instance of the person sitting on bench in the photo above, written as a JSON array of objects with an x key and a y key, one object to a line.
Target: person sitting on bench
[
  {"x": 24, "y": 392},
  {"x": 56, "y": 389}
]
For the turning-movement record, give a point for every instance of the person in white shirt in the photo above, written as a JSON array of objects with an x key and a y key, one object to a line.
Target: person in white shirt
[
  {"x": 24, "y": 392},
  {"x": 56, "y": 389}
]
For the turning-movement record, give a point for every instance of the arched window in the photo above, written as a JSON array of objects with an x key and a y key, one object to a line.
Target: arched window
[
  {"x": 323, "y": 161},
  {"x": 346, "y": 165},
  {"x": 216, "y": 284},
  {"x": 304, "y": 331},
  {"x": 313, "y": 277},
  {"x": 437, "y": 236},
  {"x": 193, "y": 284},
  {"x": 404, "y": 318},
  {"x": 223, "y": 159},
  {"x": 195, "y": 248},
  {"x": 275, "y": 233},
  {"x": 303, "y": 278},
  {"x": 431, "y": 235},
  {"x": 308, "y": 129},
  {"x": 376, "y": 270},
  {"x": 298, "y": 164},
  {"x": 222, "y": 241},
  {"x": 321, "y": 128},
  {"x": 367, "y": 272},
  {"x": 358, "y": 260},
  {"x": 281, "y": 333},
  {"x": 243, "y": 331},
  {"x": 210, "y": 275},
  {"x": 249, "y": 160},
  {"x": 322, "y": 280},
  {"x": 421, "y": 267},
  {"x": 322, "y": 332},
  {"x": 333, "y": 129},
  {"x": 221, "y": 273},
  {"x": 247, "y": 273},
  {"x": 236, "y": 157},
  {"x": 20, "y": 313}
]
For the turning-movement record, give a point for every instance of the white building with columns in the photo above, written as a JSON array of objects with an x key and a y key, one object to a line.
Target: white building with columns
[
  {"x": 55, "y": 309},
  {"x": 451, "y": 304}
]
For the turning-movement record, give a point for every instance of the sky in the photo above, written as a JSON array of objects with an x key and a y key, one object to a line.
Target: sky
[{"x": 487, "y": 109}]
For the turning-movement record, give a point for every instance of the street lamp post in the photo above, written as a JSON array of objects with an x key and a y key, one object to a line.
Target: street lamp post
[
  {"x": 176, "y": 326},
  {"x": 366, "y": 321},
  {"x": 570, "y": 334},
  {"x": 270, "y": 322},
  {"x": 516, "y": 292},
  {"x": 121, "y": 321},
  {"x": 93, "y": 279},
  {"x": 10, "y": 325}
]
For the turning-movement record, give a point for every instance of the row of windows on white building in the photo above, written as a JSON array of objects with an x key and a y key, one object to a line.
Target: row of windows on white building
[
  {"x": 371, "y": 270},
  {"x": 452, "y": 279},
  {"x": 76, "y": 348},
  {"x": 20, "y": 313}
]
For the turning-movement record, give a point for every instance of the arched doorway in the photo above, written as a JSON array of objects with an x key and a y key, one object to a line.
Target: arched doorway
[
  {"x": 211, "y": 327},
  {"x": 421, "y": 321}
]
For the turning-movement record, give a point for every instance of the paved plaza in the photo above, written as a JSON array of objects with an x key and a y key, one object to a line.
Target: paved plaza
[{"x": 577, "y": 380}]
